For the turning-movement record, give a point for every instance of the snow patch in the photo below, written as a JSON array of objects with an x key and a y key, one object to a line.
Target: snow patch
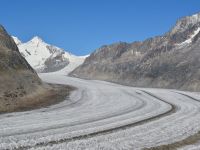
[{"x": 188, "y": 41}]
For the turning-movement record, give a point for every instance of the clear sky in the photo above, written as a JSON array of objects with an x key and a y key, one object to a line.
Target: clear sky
[{"x": 81, "y": 26}]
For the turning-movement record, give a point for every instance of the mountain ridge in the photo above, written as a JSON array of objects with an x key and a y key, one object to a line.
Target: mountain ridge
[
  {"x": 44, "y": 57},
  {"x": 166, "y": 61}
]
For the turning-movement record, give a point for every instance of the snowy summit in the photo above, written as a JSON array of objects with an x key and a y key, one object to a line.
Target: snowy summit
[{"x": 44, "y": 57}]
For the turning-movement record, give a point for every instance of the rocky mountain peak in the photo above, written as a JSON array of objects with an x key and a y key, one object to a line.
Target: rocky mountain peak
[
  {"x": 2, "y": 28},
  {"x": 186, "y": 22},
  {"x": 6, "y": 41}
]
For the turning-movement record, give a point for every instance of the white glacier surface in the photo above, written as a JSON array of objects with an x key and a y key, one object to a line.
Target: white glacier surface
[{"x": 103, "y": 115}]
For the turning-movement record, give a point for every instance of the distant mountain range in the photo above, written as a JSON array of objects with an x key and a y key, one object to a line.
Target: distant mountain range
[
  {"x": 168, "y": 61},
  {"x": 44, "y": 57}
]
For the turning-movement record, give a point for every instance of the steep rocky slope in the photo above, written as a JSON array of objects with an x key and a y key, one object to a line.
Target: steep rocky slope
[
  {"x": 20, "y": 87},
  {"x": 168, "y": 61},
  {"x": 44, "y": 57}
]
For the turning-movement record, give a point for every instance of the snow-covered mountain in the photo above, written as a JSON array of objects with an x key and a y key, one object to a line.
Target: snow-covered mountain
[{"x": 44, "y": 57}]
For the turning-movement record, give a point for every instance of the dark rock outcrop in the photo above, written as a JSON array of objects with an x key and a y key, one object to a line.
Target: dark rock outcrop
[
  {"x": 168, "y": 61},
  {"x": 12, "y": 63},
  {"x": 17, "y": 78}
]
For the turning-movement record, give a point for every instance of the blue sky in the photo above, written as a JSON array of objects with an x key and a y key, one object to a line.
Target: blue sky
[{"x": 81, "y": 26}]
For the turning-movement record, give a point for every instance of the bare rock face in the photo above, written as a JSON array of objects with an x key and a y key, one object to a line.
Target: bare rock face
[
  {"x": 17, "y": 78},
  {"x": 168, "y": 61},
  {"x": 55, "y": 62},
  {"x": 10, "y": 58}
]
